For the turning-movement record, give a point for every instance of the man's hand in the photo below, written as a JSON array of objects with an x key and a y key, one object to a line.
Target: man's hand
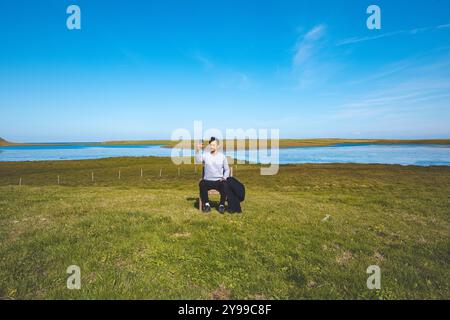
[{"x": 199, "y": 147}]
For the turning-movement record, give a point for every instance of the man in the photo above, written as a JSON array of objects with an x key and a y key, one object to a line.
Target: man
[{"x": 216, "y": 171}]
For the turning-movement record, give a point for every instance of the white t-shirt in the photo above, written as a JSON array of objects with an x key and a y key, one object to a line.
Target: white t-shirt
[{"x": 216, "y": 166}]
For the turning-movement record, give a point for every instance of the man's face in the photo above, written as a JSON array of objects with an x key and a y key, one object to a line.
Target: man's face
[{"x": 214, "y": 145}]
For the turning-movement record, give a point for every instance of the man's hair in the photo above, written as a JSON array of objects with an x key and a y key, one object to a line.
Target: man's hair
[{"x": 214, "y": 139}]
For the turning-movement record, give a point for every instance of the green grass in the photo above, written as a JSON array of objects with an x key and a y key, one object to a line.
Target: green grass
[{"x": 144, "y": 237}]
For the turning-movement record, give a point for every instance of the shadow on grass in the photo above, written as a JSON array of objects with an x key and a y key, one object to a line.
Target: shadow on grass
[{"x": 195, "y": 202}]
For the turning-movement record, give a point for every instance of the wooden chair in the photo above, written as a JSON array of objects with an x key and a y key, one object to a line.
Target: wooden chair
[{"x": 212, "y": 191}]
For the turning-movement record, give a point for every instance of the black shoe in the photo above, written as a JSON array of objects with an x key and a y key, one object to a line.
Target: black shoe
[
  {"x": 221, "y": 209},
  {"x": 207, "y": 208}
]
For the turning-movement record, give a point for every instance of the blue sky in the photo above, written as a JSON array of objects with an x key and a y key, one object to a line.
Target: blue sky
[{"x": 141, "y": 69}]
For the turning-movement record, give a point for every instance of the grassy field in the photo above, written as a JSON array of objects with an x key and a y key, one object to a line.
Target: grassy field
[{"x": 144, "y": 237}]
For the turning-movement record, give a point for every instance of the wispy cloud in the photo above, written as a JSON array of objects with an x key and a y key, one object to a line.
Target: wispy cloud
[
  {"x": 444, "y": 26},
  {"x": 422, "y": 85},
  {"x": 236, "y": 80},
  {"x": 204, "y": 61},
  {"x": 368, "y": 38},
  {"x": 223, "y": 76},
  {"x": 244, "y": 80},
  {"x": 306, "y": 44},
  {"x": 414, "y": 31},
  {"x": 311, "y": 63}
]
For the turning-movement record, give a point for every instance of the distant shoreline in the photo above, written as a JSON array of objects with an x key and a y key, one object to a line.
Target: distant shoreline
[{"x": 283, "y": 143}]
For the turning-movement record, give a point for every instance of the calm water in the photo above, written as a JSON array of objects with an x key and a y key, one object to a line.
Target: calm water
[{"x": 421, "y": 155}]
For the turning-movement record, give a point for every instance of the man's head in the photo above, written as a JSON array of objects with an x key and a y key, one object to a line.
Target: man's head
[{"x": 213, "y": 144}]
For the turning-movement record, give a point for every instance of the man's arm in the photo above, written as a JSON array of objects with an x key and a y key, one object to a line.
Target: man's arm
[
  {"x": 226, "y": 168},
  {"x": 199, "y": 154}
]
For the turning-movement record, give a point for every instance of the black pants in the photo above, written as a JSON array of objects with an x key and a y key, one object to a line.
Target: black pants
[{"x": 206, "y": 185}]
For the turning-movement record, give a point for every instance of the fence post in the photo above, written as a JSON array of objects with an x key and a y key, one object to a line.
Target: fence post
[
  {"x": 20, "y": 181},
  {"x": 160, "y": 172},
  {"x": 142, "y": 173},
  {"x": 92, "y": 176},
  {"x": 178, "y": 171},
  {"x": 119, "y": 174},
  {"x": 58, "y": 178}
]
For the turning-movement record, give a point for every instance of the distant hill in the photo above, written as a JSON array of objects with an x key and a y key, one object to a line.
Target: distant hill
[
  {"x": 3, "y": 142},
  {"x": 283, "y": 143}
]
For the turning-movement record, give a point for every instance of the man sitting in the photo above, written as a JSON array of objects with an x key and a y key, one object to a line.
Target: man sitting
[{"x": 216, "y": 171}]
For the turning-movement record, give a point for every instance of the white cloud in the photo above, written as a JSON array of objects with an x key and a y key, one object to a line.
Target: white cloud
[
  {"x": 225, "y": 78},
  {"x": 204, "y": 61},
  {"x": 420, "y": 87},
  {"x": 391, "y": 34},
  {"x": 368, "y": 38},
  {"x": 235, "y": 80},
  {"x": 312, "y": 62},
  {"x": 307, "y": 44}
]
